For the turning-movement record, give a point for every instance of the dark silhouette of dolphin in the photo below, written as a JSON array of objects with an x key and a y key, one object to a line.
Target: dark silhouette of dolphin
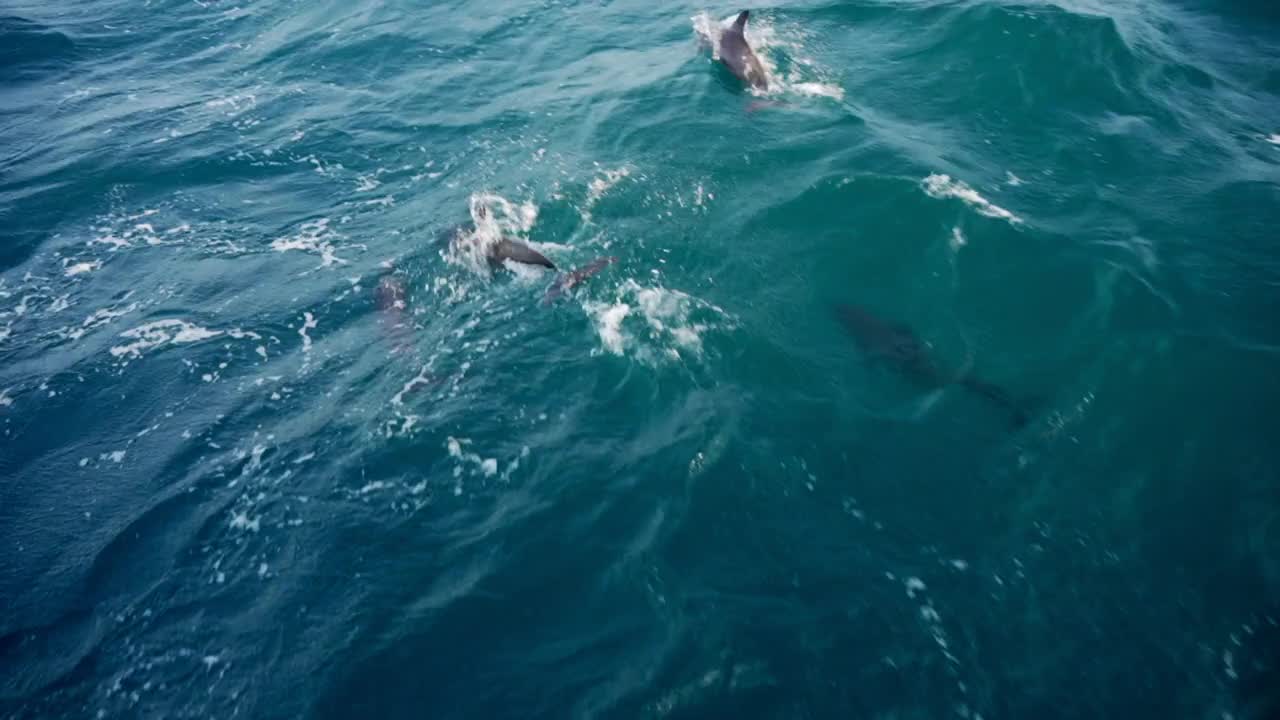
[
  {"x": 737, "y": 55},
  {"x": 389, "y": 299},
  {"x": 899, "y": 347}
]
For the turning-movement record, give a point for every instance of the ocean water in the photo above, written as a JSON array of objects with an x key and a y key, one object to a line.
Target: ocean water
[{"x": 277, "y": 442}]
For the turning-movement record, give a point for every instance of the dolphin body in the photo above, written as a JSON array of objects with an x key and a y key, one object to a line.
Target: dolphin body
[
  {"x": 737, "y": 55},
  {"x": 516, "y": 251},
  {"x": 506, "y": 248},
  {"x": 899, "y": 347},
  {"x": 390, "y": 296}
]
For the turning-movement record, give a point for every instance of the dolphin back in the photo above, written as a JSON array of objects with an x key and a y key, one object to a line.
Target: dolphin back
[
  {"x": 737, "y": 55},
  {"x": 516, "y": 251}
]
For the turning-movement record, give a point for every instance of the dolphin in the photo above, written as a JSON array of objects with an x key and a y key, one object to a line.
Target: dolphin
[
  {"x": 516, "y": 251},
  {"x": 899, "y": 347},
  {"x": 507, "y": 249},
  {"x": 737, "y": 55},
  {"x": 569, "y": 280},
  {"x": 389, "y": 299}
]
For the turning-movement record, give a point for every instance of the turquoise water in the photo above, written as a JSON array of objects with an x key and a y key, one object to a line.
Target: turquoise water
[{"x": 276, "y": 442}]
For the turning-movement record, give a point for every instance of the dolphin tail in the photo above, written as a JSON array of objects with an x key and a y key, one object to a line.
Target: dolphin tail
[
  {"x": 741, "y": 22},
  {"x": 999, "y": 397},
  {"x": 567, "y": 281},
  {"x": 517, "y": 251}
]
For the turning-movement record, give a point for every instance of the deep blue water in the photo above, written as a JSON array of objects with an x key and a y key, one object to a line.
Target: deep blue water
[{"x": 277, "y": 442}]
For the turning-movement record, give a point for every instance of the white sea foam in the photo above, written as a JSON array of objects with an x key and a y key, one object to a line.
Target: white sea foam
[
  {"x": 308, "y": 323},
  {"x": 312, "y": 237},
  {"x": 242, "y": 521},
  {"x": 1274, "y": 139},
  {"x": 930, "y": 616},
  {"x": 233, "y": 105},
  {"x": 943, "y": 186},
  {"x": 98, "y": 318},
  {"x": 817, "y": 89},
  {"x": 82, "y": 268},
  {"x": 914, "y": 585},
  {"x": 422, "y": 379},
  {"x": 159, "y": 333},
  {"x": 459, "y": 449},
  {"x": 707, "y": 29},
  {"x": 673, "y": 322},
  {"x": 115, "y": 242},
  {"x": 22, "y": 307},
  {"x": 600, "y": 185},
  {"x": 608, "y": 319},
  {"x": 59, "y": 304}
]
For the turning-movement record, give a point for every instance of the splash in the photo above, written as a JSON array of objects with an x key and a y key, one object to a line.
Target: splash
[
  {"x": 96, "y": 319},
  {"x": 308, "y": 323},
  {"x": 82, "y": 268},
  {"x": 653, "y": 323},
  {"x": 608, "y": 319},
  {"x": 943, "y": 186},
  {"x": 600, "y": 185},
  {"x": 312, "y": 237},
  {"x": 493, "y": 217},
  {"x": 459, "y": 449}
]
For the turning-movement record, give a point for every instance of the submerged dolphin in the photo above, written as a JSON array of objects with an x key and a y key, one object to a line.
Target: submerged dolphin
[
  {"x": 389, "y": 298},
  {"x": 737, "y": 55},
  {"x": 901, "y": 348}
]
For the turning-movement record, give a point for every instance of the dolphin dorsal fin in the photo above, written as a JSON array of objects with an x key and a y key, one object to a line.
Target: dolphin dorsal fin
[{"x": 741, "y": 22}]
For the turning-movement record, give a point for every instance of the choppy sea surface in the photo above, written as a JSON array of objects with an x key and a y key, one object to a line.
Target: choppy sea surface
[{"x": 277, "y": 442}]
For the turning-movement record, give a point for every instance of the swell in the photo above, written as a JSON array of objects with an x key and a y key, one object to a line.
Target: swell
[
  {"x": 30, "y": 51},
  {"x": 60, "y": 650}
]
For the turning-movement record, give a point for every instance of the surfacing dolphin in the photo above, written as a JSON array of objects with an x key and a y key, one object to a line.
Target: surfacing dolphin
[
  {"x": 507, "y": 249},
  {"x": 899, "y": 347},
  {"x": 497, "y": 253},
  {"x": 737, "y": 55}
]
